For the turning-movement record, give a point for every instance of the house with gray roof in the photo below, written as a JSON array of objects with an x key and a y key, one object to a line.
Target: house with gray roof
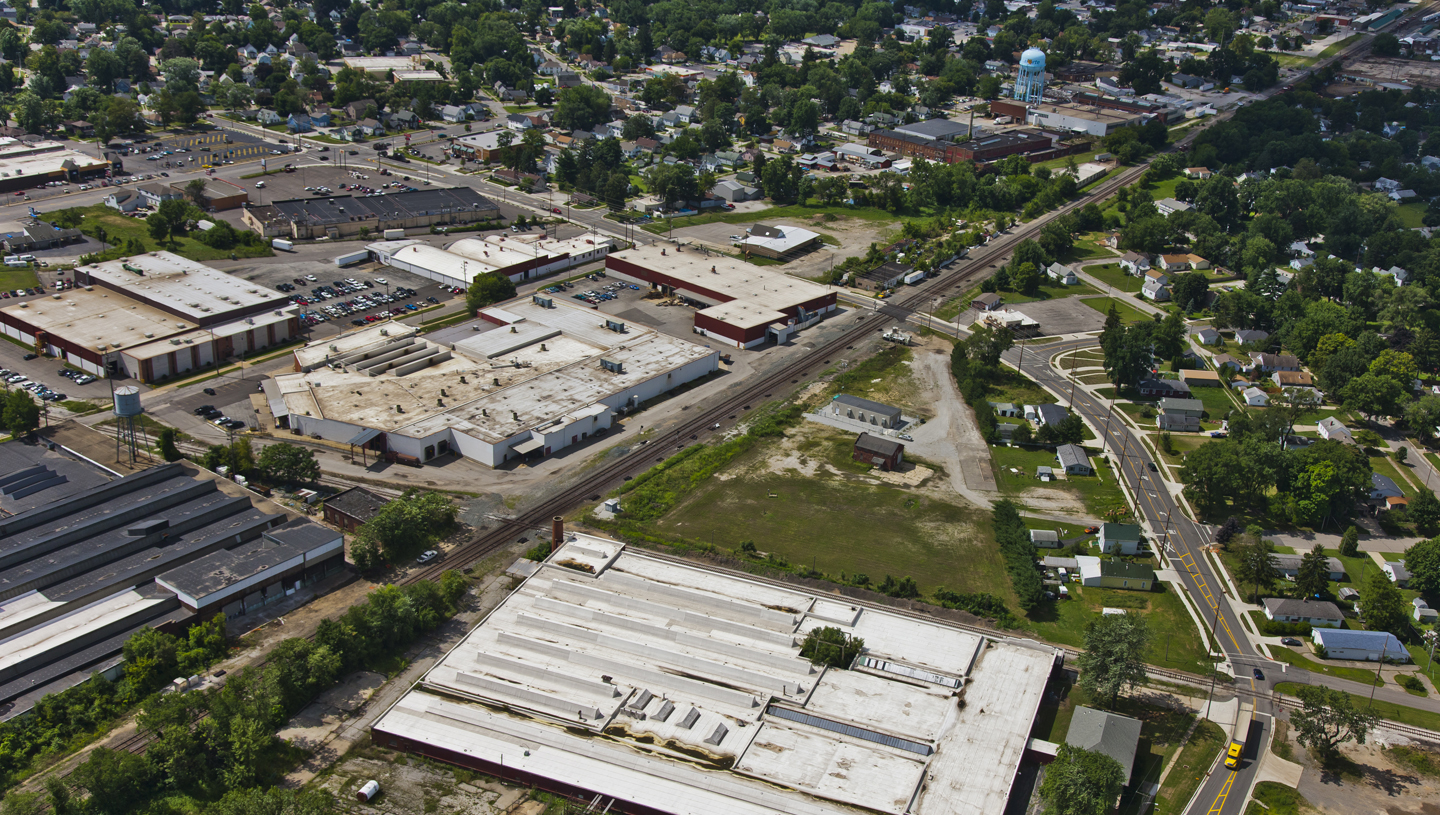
[
  {"x": 1073, "y": 460},
  {"x": 1106, "y": 733},
  {"x": 1314, "y": 612}
]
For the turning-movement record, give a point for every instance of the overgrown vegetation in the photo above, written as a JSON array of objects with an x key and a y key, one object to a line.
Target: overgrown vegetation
[
  {"x": 403, "y": 527},
  {"x": 1013, "y": 538},
  {"x": 831, "y": 646}
]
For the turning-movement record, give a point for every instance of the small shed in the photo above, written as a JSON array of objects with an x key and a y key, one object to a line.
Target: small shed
[{"x": 878, "y": 451}]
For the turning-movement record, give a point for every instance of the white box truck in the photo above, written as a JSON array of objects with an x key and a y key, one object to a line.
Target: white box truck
[
  {"x": 394, "y": 234},
  {"x": 283, "y": 245}
]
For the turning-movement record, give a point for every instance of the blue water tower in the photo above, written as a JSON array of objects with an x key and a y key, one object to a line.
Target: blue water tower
[{"x": 1030, "y": 84}]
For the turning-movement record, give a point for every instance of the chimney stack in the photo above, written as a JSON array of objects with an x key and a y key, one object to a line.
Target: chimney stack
[{"x": 557, "y": 532}]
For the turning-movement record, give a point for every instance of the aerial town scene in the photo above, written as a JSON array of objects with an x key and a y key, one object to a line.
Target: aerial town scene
[{"x": 966, "y": 407}]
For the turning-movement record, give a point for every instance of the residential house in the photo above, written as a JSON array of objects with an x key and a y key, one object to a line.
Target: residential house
[
  {"x": 1366, "y": 646},
  {"x": 1250, "y": 336},
  {"x": 1109, "y": 734},
  {"x": 1206, "y": 336},
  {"x": 878, "y": 451},
  {"x": 1289, "y": 566},
  {"x": 518, "y": 121},
  {"x": 1201, "y": 173},
  {"x": 686, "y": 114},
  {"x": 1115, "y": 574},
  {"x": 1177, "y": 424},
  {"x": 123, "y": 200},
  {"x": 854, "y": 128},
  {"x": 1396, "y": 571},
  {"x": 1135, "y": 263},
  {"x": 1045, "y": 538},
  {"x": 1062, "y": 274},
  {"x": 1169, "y": 206},
  {"x": 866, "y": 411},
  {"x": 1074, "y": 460},
  {"x": 1422, "y": 612},
  {"x": 1254, "y": 397},
  {"x": 1200, "y": 378},
  {"x": 1121, "y": 539},
  {"x": 1046, "y": 415},
  {"x": 1397, "y": 275},
  {"x": 453, "y": 113},
  {"x": 1226, "y": 361},
  {"x": 1182, "y": 407},
  {"x": 1175, "y": 263},
  {"x": 300, "y": 123},
  {"x": 356, "y": 110},
  {"x": 1005, "y": 409},
  {"x": 371, "y": 128},
  {"x": 269, "y": 117},
  {"x": 153, "y": 194},
  {"x": 1269, "y": 363},
  {"x": 1331, "y": 428},
  {"x": 1292, "y": 379},
  {"x": 1161, "y": 388},
  {"x": 404, "y": 120},
  {"x": 1155, "y": 290},
  {"x": 1315, "y": 612}
]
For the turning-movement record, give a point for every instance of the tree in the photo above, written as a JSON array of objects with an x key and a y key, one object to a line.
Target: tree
[
  {"x": 21, "y": 414},
  {"x": 409, "y": 523},
  {"x": 1371, "y": 394},
  {"x": 272, "y": 801},
  {"x": 581, "y": 107},
  {"x": 1424, "y": 511},
  {"x": 1255, "y": 564},
  {"x": 1227, "y": 531},
  {"x": 289, "y": 462},
  {"x": 1383, "y": 607},
  {"x": 1350, "y": 542},
  {"x": 1081, "y": 782},
  {"x": 487, "y": 289},
  {"x": 1385, "y": 45},
  {"x": 1114, "y": 657},
  {"x": 195, "y": 191},
  {"x": 33, "y": 803},
  {"x": 1328, "y": 718},
  {"x": 159, "y": 227},
  {"x": 165, "y": 442},
  {"x": 1313, "y": 577},
  {"x": 831, "y": 646},
  {"x": 117, "y": 780},
  {"x": 1423, "y": 562}
]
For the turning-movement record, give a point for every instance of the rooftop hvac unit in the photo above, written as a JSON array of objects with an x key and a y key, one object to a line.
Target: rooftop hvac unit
[{"x": 613, "y": 366}]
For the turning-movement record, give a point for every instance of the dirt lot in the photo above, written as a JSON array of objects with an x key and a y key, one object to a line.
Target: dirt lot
[
  {"x": 413, "y": 786},
  {"x": 1372, "y": 782},
  {"x": 854, "y": 235},
  {"x": 1411, "y": 72}
]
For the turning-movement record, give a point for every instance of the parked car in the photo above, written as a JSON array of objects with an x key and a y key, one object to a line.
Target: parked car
[{"x": 427, "y": 556}]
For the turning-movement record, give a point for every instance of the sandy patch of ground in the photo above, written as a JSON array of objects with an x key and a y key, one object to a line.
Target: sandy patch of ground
[
  {"x": 1379, "y": 785},
  {"x": 409, "y": 786},
  {"x": 908, "y": 475}
]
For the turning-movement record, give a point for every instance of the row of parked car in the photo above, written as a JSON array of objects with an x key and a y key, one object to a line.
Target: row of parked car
[
  {"x": 78, "y": 377},
  {"x": 21, "y": 381},
  {"x": 610, "y": 292},
  {"x": 215, "y": 417}
]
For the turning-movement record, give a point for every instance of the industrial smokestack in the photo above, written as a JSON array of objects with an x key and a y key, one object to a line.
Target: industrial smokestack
[{"x": 557, "y": 532}]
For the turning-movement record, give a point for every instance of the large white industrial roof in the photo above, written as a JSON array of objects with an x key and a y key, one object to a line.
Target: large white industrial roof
[
  {"x": 183, "y": 287},
  {"x": 695, "y": 680},
  {"x": 734, "y": 279}
]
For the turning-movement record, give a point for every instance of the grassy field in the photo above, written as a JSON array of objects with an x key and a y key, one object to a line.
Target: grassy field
[
  {"x": 1217, "y": 401},
  {"x": 1361, "y": 675},
  {"x": 1128, "y": 313},
  {"x": 120, "y": 229},
  {"x": 1114, "y": 275},
  {"x": 1335, "y": 48},
  {"x": 1190, "y": 768},
  {"x": 803, "y": 500},
  {"x": 1274, "y": 798},
  {"x": 1176, "y": 642},
  {"x": 1410, "y": 215},
  {"x": 1007, "y": 385},
  {"x": 1100, "y": 492},
  {"x": 12, "y": 279},
  {"x": 1414, "y": 717}
]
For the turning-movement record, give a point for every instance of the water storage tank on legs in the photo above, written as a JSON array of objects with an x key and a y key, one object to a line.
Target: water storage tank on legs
[{"x": 127, "y": 401}]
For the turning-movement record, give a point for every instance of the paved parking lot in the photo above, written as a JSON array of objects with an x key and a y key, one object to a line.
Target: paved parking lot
[{"x": 1066, "y": 315}]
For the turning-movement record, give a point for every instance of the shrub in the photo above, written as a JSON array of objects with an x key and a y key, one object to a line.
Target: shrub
[
  {"x": 1271, "y": 628},
  {"x": 831, "y": 646},
  {"x": 1411, "y": 683}
]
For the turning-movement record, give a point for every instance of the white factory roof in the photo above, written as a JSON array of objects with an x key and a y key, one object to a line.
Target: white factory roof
[
  {"x": 468, "y": 257},
  {"x": 316, "y": 353},
  {"x": 380, "y": 65},
  {"x": 98, "y": 317},
  {"x": 785, "y": 239},
  {"x": 549, "y": 367},
  {"x": 695, "y": 678},
  {"x": 203, "y": 335},
  {"x": 734, "y": 279},
  {"x": 744, "y": 314},
  {"x": 18, "y": 159},
  {"x": 82, "y": 622},
  {"x": 185, "y": 287}
]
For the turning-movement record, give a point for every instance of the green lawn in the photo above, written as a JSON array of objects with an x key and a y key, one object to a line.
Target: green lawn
[
  {"x": 1083, "y": 250},
  {"x": 1128, "y": 313},
  {"x": 1361, "y": 675},
  {"x": 1335, "y": 48},
  {"x": 1176, "y": 643},
  {"x": 1008, "y": 385},
  {"x": 1217, "y": 401},
  {"x": 1100, "y": 492},
  {"x": 1274, "y": 798},
  {"x": 12, "y": 279},
  {"x": 120, "y": 229},
  {"x": 1384, "y": 466},
  {"x": 839, "y": 524},
  {"x": 1114, "y": 275},
  {"x": 1190, "y": 768},
  {"x": 1414, "y": 717},
  {"x": 1410, "y": 215}
]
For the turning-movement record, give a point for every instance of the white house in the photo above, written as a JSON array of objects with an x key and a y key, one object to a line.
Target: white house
[
  {"x": 1255, "y": 397},
  {"x": 1062, "y": 274},
  {"x": 1396, "y": 571},
  {"x": 1369, "y": 646},
  {"x": 1135, "y": 263},
  {"x": 1207, "y": 336},
  {"x": 1314, "y": 612},
  {"x": 1121, "y": 538},
  {"x": 1330, "y": 428},
  {"x": 1155, "y": 290}
]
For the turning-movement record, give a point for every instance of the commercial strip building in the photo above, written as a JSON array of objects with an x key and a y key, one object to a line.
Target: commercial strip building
[
  {"x": 343, "y": 216},
  {"x": 152, "y": 316},
  {"x": 779, "y": 241},
  {"x": 573, "y": 684},
  {"x": 1094, "y": 121},
  {"x": 518, "y": 257},
  {"x": 739, "y": 303},
  {"x": 88, "y": 558},
  {"x": 528, "y": 380},
  {"x": 25, "y": 166},
  {"x": 981, "y": 149}
]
